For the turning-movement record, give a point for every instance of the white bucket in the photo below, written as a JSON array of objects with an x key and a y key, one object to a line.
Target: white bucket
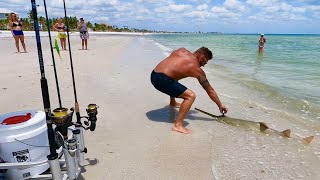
[{"x": 24, "y": 142}]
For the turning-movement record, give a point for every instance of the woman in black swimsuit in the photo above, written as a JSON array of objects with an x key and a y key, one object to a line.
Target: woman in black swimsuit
[{"x": 16, "y": 30}]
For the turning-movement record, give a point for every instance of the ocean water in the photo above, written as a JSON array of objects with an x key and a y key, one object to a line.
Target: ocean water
[{"x": 286, "y": 74}]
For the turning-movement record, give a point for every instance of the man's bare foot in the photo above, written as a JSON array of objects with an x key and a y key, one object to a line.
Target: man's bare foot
[
  {"x": 175, "y": 104},
  {"x": 181, "y": 129}
]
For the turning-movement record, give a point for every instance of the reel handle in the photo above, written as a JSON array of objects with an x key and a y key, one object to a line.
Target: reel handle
[{"x": 92, "y": 126}]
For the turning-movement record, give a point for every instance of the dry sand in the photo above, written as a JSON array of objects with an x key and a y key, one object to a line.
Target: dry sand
[{"x": 133, "y": 139}]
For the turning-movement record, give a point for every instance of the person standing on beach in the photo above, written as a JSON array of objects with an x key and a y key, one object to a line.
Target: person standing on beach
[
  {"x": 61, "y": 28},
  {"x": 261, "y": 41},
  {"x": 84, "y": 35},
  {"x": 180, "y": 64},
  {"x": 16, "y": 30}
]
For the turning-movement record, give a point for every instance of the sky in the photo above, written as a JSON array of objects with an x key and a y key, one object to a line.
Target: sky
[{"x": 227, "y": 16}]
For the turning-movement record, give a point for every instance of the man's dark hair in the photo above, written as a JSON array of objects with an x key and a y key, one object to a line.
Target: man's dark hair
[{"x": 206, "y": 52}]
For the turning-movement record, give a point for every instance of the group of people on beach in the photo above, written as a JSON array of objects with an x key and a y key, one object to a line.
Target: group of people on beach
[
  {"x": 16, "y": 28},
  {"x": 181, "y": 64},
  {"x": 62, "y": 29}
]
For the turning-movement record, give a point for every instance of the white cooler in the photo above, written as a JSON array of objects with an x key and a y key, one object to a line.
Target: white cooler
[{"x": 23, "y": 138}]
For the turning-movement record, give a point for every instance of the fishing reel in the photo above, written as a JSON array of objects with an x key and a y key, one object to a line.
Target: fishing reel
[
  {"x": 62, "y": 119},
  {"x": 92, "y": 112},
  {"x": 61, "y": 116}
]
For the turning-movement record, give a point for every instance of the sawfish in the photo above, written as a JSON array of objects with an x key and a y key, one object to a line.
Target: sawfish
[{"x": 253, "y": 125}]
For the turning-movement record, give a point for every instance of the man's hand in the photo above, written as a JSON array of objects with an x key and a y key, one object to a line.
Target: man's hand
[{"x": 223, "y": 109}]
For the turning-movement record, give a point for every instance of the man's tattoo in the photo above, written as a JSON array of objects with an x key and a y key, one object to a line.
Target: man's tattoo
[{"x": 204, "y": 81}]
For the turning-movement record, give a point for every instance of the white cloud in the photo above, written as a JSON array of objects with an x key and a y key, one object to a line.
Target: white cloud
[
  {"x": 155, "y": 2},
  {"x": 290, "y": 8},
  {"x": 314, "y": 8},
  {"x": 276, "y": 11},
  {"x": 202, "y": 7},
  {"x": 198, "y": 14},
  {"x": 82, "y": 3},
  {"x": 261, "y": 3},
  {"x": 234, "y": 5},
  {"x": 179, "y": 8},
  {"x": 18, "y": 1},
  {"x": 102, "y": 19},
  {"x": 161, "y": 10},
  {"x": 222, "y": 12},
  {"x": 200, "y": 1},
  {"x": 173, "y": 8}
]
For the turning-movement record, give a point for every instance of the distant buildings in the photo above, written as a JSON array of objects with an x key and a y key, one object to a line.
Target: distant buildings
[{"x": 4, "y": 13}]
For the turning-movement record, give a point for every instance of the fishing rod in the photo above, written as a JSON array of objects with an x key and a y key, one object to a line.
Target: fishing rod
[
  {"x": 92, "y": 108},
  {"x": 60, "y": 117},
  {"x": 71, "y": 65},
  {"x": 52, "y": 54},
  {"x": 53, "y": 156}
]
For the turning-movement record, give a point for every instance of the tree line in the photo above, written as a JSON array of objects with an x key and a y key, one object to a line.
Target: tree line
[{"x": 28, "y": 24}]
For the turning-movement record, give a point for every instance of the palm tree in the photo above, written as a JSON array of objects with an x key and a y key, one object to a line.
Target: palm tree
[
  {"x": 89, "y": 24},
  {"x": 72, "y": 22},
  {"x": 42, "y": 22},
  {"x": 30, "y": 16},
  {"x": 4, "y": 23}
]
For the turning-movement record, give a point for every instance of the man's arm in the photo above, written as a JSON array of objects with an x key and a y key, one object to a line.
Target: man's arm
[
  {"x": 208, "y": 88},
  {"x": 211, "y": 92}
]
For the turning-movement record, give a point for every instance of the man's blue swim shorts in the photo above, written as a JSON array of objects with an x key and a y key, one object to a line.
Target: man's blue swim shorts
[{"x": 167, "y": 85}]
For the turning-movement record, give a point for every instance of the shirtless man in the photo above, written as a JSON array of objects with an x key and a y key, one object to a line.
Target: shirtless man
[
  {"x": 262, "y": 40},
  {"x": 181, "y": 64}
]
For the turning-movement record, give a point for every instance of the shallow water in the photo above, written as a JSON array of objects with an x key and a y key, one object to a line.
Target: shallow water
[
  {"x": 286, "y": 72},
  {"x": 274, "y": 88}
]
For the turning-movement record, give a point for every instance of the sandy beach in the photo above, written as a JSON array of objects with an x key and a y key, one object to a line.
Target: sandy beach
[{"x": 133, "y": 138}]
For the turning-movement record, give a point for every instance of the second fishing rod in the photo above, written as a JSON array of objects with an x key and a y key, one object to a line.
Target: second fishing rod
[
  {"x": 91, "y": 111},
  {"x": 64, "y": 121},
  {"x": 92, "y": 108}
]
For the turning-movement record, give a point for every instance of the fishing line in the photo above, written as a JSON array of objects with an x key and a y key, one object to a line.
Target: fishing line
[
  {"x": 71, "y": 64},
  {"x": 52, "y": 54},
  {"x": 29, "y": 144}
]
